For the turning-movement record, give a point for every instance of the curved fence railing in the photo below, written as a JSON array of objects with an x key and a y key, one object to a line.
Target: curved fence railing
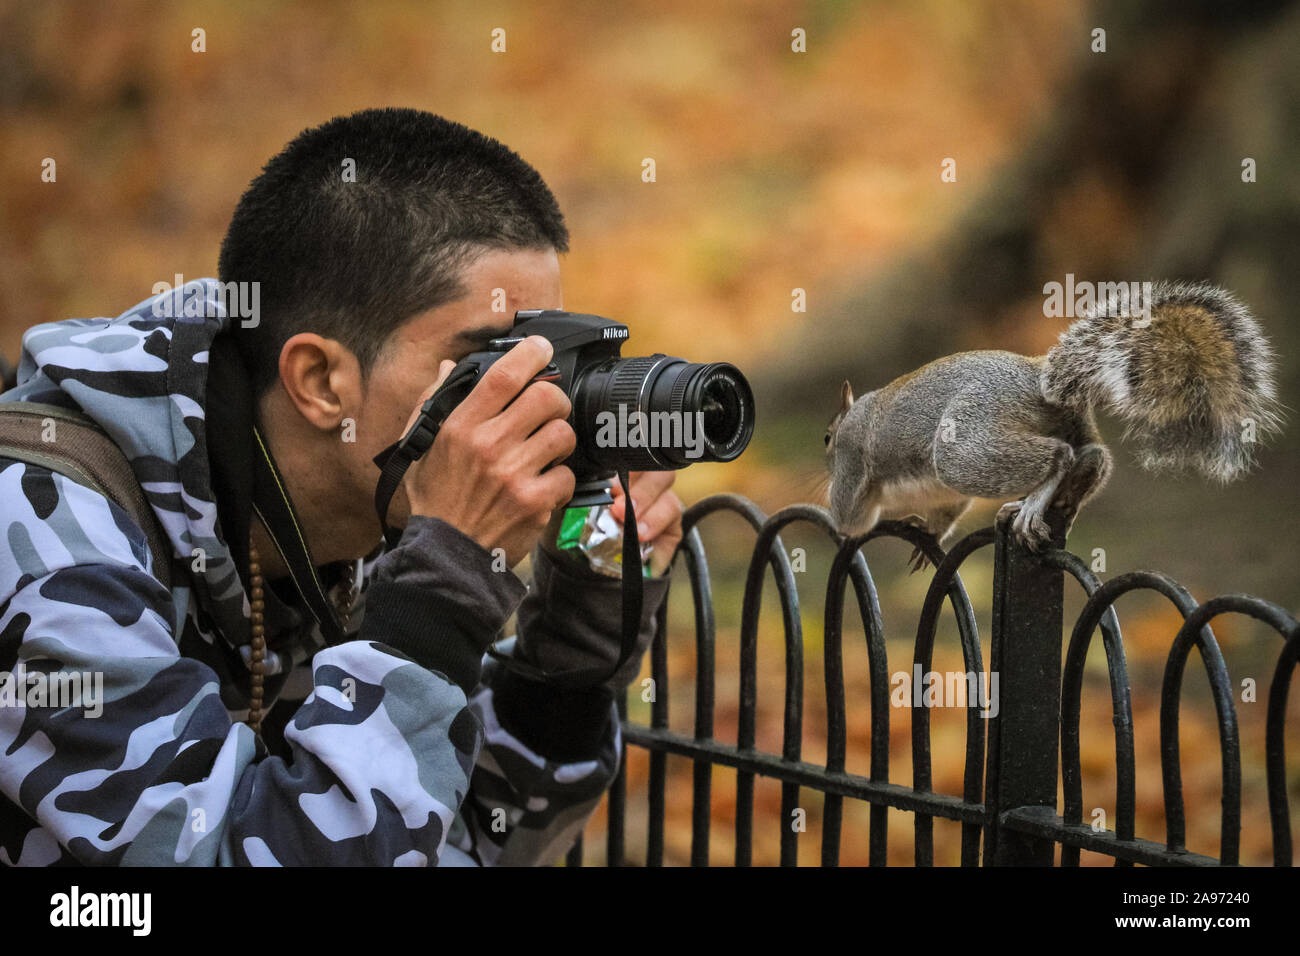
[{"x": 1007, "y": 810}]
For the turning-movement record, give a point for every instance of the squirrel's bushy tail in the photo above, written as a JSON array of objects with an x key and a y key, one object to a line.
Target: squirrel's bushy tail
[{"x": 1191, "y": 375}]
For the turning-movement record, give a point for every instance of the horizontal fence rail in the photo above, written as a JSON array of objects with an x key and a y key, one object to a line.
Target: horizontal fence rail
[{"x": 1007, "y": 809}]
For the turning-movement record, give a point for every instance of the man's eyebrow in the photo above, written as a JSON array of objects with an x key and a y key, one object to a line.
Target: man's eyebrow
[{"x": 482, "y": 334}]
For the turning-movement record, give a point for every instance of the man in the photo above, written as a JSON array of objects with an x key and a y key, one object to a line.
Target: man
[{"x": 378, "y": 249}]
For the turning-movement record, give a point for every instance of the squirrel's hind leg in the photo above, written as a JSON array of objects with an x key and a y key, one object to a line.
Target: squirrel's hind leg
[
  {"x": 1029, "y": 524},
  {"x": 1092, "y": 465},
  {"x": 1053, "y": 460}
]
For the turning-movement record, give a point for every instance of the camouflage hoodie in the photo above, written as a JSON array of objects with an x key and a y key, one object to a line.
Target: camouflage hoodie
[{"x": 403, "y": 744}]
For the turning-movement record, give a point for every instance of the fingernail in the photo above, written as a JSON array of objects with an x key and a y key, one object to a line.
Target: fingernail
[
  {"x": 642, "y": 529},
  {"x": 542, "y": 342}
]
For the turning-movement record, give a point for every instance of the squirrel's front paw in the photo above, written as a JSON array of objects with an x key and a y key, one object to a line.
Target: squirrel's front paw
[
  {"x": 919, "y": 561},
  {"x": 915, "y": 521}
]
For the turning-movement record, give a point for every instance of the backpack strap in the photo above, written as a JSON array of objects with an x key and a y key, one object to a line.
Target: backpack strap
[{"x": 83, "y": 453}]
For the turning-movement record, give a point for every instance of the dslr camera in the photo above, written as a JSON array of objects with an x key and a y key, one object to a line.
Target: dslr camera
[{"x": 641, "y": 413}]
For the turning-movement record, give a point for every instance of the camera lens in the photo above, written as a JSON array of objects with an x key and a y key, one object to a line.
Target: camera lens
[
  {"x": 654, "y": 413},
  {"x": 726, "y": 409}
]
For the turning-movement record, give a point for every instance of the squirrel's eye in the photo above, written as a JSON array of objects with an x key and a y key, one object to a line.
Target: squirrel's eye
[{"x": 828, "y": 438}]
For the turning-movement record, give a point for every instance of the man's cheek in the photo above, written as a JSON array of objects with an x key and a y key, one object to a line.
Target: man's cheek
[
  {"x": 395, "y": 404},
  {"x": 378, "y": 426}
]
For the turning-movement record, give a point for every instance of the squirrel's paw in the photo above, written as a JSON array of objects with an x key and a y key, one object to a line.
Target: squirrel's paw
[
  {"x": 1027, "y": 525},
  {"x": 1010, "y": 509},
  {"x": 1035, "y": 538},
  {"x": 1031, "y": 529},
  {"x": 919, "y": 561}
]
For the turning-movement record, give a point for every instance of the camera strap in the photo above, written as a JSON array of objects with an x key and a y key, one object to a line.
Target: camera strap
[
  {"x": 633, "y": 585},
  {"x": 394, "y": 460}
]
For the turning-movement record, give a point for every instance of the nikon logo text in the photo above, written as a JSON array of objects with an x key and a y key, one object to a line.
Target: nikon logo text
[
  {"x": 612, "y": 333},
  {"x": 103, "y": 909}
]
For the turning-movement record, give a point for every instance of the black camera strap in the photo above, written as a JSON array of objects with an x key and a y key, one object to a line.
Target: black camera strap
[
  {"x": 633, "y": 586},
  {"x": 394, "y": 461}
]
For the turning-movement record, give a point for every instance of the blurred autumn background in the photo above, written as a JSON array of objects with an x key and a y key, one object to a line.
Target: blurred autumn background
[{"x": 775, "y": 171}]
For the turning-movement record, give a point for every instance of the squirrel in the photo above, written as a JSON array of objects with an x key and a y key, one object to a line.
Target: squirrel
[{"x": 1191, "y": 375}]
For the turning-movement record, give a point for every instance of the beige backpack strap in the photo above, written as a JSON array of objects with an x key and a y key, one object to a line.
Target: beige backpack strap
[{"x": 82, "y": 452}]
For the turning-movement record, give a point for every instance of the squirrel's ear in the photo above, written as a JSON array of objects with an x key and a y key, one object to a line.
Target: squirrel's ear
[{"x": 846, "y": 396}]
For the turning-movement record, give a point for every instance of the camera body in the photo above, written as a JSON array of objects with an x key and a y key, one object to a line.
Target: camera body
[{"x": 643, "y": 413}]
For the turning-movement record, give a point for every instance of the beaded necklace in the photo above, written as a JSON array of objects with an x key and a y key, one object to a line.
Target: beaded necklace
[{"x": 257, "y": 605}]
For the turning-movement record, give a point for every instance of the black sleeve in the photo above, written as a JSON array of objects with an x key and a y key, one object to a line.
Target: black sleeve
[{"x": 438, "y": 600}]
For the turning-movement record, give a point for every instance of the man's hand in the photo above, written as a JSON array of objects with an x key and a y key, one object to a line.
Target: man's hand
[
  {"x": 658, "y": 513},
  {"x": 571, "y": 623},
  {"x": 488, "y": 473}
]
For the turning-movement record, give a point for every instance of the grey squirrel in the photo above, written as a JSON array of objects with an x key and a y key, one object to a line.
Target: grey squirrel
[{"x": 1191, "y": 376}]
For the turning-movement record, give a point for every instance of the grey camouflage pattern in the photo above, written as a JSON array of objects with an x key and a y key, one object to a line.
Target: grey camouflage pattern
[{"x": 388, "y": 762}]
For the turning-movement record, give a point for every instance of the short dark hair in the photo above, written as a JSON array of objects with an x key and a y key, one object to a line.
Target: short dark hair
[{"x": 353, "y": 261}]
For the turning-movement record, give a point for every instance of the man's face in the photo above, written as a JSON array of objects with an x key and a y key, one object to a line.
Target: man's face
[{"x": 527, "y": 279}]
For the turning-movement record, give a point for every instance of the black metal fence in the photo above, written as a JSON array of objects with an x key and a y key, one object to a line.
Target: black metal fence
[{"x": 1010, "y": 785}]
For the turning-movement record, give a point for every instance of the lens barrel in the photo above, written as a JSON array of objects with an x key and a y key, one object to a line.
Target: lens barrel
[{"x": 657, "y": 412}]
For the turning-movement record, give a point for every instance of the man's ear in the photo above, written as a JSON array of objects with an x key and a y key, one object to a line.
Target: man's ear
[
  {"x": 846, "y": 397},
  {"x": 322, "y": 378}
]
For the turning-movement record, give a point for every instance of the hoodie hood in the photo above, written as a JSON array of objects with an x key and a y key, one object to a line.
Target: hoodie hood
[{"x": 142, "y": 377}]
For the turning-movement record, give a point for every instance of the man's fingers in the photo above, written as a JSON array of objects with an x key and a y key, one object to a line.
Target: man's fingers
[
  {"x": 662, "y": 514},
  {"x": 646, "y": 487},
  {"x": 553, "y": 442},
  {"x": 506, "y": 378},
  {"x": 540, "y": 403},
  {"x": 558, "y": 484}
]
